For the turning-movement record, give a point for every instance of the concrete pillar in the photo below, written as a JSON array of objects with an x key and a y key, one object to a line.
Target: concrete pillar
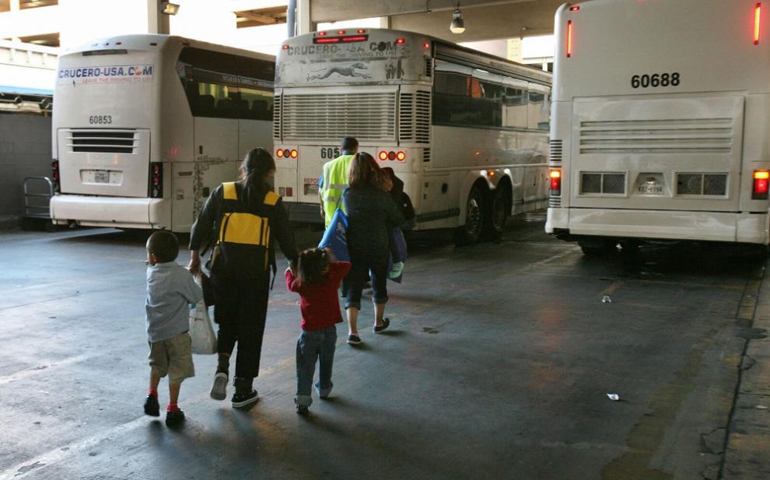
[
  {"x": 304, "y": 22},
  {"x": 291, "y": 18},
  {"x": 157, "y": 21}
]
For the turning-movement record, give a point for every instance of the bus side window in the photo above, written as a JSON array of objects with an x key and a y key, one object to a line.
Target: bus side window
[
  {"x": 488, "y": 104},
  {"x": 451, "y": 99},
  {"x": 222, "y": 85},
  {"x": 515, "y": 107},
  {"x": 539, "y": 109},
  {"x": 257, "y": 101}
]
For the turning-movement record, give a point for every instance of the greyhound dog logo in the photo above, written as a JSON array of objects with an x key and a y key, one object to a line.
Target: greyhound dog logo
[{"x": 341, "y": 70}]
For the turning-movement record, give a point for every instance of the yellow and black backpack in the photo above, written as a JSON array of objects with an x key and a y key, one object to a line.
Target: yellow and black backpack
[{"x": 243, "y": 246}]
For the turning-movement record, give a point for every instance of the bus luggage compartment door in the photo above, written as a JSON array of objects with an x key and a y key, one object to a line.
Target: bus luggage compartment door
[{"x": 665, "y": 153}]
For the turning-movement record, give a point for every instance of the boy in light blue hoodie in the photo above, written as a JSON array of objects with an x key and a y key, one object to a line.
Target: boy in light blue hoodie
[{"x": 171, "y": 290}]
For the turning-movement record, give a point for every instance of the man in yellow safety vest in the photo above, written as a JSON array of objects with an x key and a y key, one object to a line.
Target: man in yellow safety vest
[{"x": 335, "y": 179}]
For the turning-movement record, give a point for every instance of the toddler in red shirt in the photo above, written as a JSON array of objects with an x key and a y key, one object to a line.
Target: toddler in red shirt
[{"x": 316, "y": 276}]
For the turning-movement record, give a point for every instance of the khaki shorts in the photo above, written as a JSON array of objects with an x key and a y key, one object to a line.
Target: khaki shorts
[{"x": 172, "y": 357}]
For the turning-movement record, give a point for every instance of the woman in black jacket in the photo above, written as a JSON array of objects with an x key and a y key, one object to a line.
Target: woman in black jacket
[
  {"x": 244, "y": 219},
  {"x": 371, "y": 216}
]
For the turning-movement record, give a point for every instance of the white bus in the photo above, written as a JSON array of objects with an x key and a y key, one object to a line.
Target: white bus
[
  {"x": 660, "y": 127},
  {"x": 146, "y": 126},
  {"x": 467, "y": 132}
]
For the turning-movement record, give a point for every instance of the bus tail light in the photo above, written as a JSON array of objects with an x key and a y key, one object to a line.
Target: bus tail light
[
  {"x": 279, "y": 153},
  {"x": 555, "y": 176},
  {"x": 761, "y": 179},
  {"x": 156, "y": 180},
  {"x": 55, "y": 176},
  {"x": 569, "y": 39},
  {"x": 294, "y": 153},
  {"x": 392, "y": 155},
  {"x": 757, "y": 22}
]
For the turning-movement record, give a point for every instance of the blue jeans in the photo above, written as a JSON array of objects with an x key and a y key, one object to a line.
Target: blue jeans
[
  {"x": 315, "y": 345},
  {"x": 363, "y": 265}
]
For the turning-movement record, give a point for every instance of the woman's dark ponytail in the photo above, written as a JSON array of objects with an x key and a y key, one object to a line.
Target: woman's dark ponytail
[{"x": 255, "y": 166}]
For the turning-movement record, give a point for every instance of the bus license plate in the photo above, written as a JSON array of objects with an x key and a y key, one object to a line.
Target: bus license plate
[
  {"x": 102, "y": 176},
  {"x": 311, "y": 186},
  {"x": 651, "y": 189}
]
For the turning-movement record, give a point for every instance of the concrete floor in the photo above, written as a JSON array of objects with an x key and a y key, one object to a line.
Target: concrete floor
[{"x": 498, "y": 366}]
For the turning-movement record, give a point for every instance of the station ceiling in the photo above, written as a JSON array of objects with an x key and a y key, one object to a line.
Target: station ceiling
[{"x": 484, "y": 19}]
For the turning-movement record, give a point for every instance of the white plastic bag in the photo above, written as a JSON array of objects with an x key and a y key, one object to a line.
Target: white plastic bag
[{"x": 204, "y": 340}]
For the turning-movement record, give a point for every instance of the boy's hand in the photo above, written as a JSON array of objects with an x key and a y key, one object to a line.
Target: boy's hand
[{"x": 330, "y": 254}]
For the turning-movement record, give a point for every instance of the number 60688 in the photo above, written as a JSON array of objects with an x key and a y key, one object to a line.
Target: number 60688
[{"x": 656, "y": 80}]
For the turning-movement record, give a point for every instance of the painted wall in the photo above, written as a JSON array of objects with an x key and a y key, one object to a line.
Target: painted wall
[{"x": 25, "y": 150}]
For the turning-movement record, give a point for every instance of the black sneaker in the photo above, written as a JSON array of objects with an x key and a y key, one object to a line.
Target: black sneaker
[
  {"x": 381, "y": 328},
  {"x": 219, "y": 389},
  {"x": 245, "y": 400},
  {"x": 151, "y": 406},
  {"x": 303, "y": 409},
  {"x": 354, "y": 340},
  {"x": 174, "y": 419}
]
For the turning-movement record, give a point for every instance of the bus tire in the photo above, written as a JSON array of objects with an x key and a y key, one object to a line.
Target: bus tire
[
  {"x": 28, "y": 224},
  {"x": 475, "y": 218},
  {"x": 499, "y": 211}
]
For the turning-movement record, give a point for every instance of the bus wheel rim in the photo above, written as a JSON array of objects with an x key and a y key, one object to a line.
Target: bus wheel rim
[{"x": 474, "y": 216}]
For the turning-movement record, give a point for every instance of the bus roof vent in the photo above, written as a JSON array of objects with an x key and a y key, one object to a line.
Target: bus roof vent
[{"x": 368, "y": 116}]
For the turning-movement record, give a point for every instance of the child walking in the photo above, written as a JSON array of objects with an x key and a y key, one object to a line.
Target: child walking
[
  {"x": 316, "y": 275},
  {"x": 170, "y": 292}
]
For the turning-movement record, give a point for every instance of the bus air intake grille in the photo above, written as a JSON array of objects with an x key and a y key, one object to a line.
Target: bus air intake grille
[
  {"x": 680, "y": 136},
  {"x": 422, "y": 118},
  {"x": 102, "y": 141},
  {"x": 426, "y": 154},
  {"x": 556, "y": 151},
  {"x": 603, "y": 183},
  {"x": 369, "y": 116},
  {"x": 277, "y": 117},
  {"x": 701, "y": 184},
  {"x": 406, "y": 118},
  {"x": 554, "y": 201},
  {"x": 428, "y": 67}
]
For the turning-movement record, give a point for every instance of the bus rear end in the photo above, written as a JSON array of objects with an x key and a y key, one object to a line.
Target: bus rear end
[
  {"x": 659, "y": 123},
  {"x": 106, "y": 111},
  {"x": 370, "y": 84}
]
